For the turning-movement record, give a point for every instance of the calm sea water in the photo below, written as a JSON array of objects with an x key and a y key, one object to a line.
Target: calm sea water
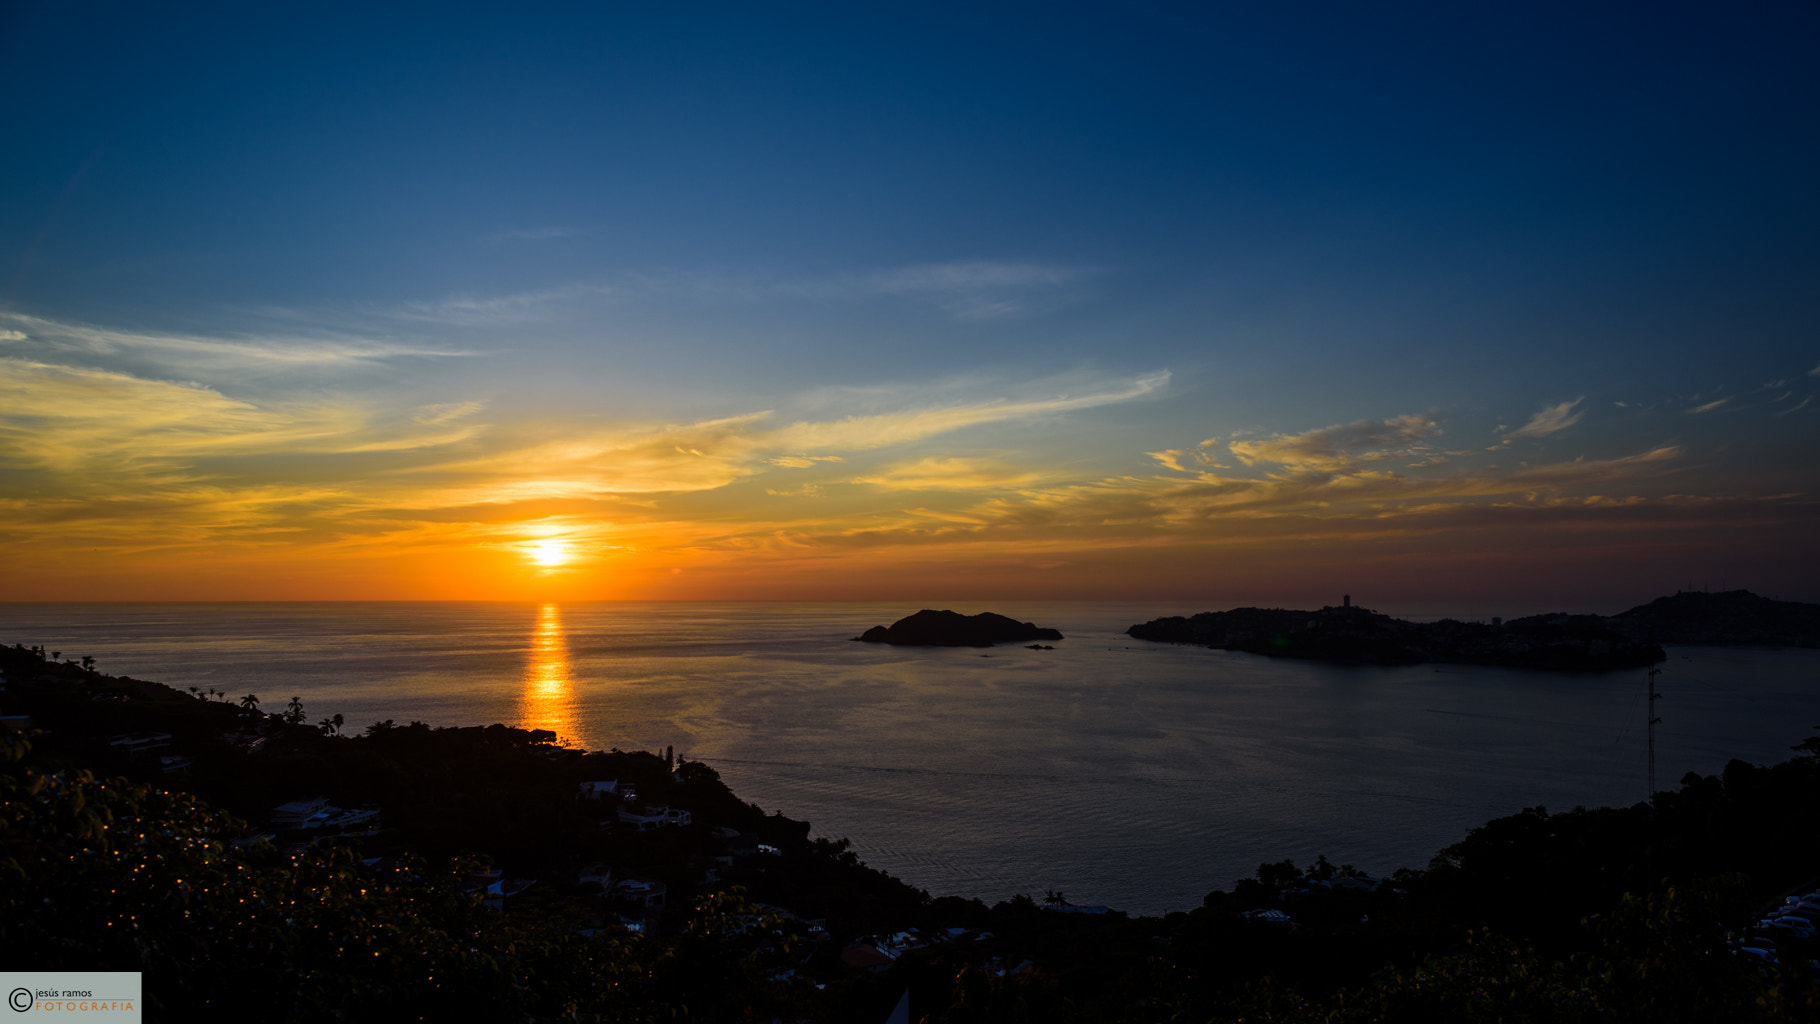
[{"x": 1130, "y": 774}]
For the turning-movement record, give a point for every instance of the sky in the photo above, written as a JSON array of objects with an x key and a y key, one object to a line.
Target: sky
[{"x": 1478, "y": 309}]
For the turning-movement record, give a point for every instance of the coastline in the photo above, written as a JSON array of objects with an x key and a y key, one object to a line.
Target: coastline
[
  {"x": 849, "y": 936},
  {"x": 1132, "y": 777}
]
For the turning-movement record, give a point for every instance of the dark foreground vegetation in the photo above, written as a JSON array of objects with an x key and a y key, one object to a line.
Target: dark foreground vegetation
[{"x": 474, "y": 877}]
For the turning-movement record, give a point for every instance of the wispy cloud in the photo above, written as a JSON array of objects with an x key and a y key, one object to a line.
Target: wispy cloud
[
  {"x": 936, "y": 473},
  {"x": 465, "y": 310},
  {"x": 1551, "y": 420},
  {"x": 965, "y": 289},
  {"x": 1337, "y": 447},
  {"x": 536, "y": 234},
  {"x": 864, "y": 433},
  {"x": 114, "y": 429},
  {"x": 711, "y": 454},
  {"x": 51, "y": 337},
  {"x": 1708, "y": 406},
  {"x": 978, "y": 289}
]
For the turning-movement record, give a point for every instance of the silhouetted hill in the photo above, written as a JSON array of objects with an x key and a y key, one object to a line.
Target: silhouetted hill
[
  {"x": 952, "y": 629},
  {"x": 1727, "y": 618},
  {"x": 1582, "y": 643}
]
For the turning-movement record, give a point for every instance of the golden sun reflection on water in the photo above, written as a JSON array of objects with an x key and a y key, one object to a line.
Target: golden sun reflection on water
[{"x": 547, "y": 701}]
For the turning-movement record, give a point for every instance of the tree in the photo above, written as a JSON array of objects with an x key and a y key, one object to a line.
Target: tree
[
  {"x": 331, "y": 726},
  {"x": 250, "y": 702},
  {"x": 88, "y": 662},
  {"x": 293, "y": 712},
  {"x": 1809, "y": 747}
]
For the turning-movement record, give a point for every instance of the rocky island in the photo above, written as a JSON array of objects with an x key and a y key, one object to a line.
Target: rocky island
[
  {"x": 1727, "y": 618},
  {"x": 1561, "y": 642},
  {"x": 929, "y": 628}
]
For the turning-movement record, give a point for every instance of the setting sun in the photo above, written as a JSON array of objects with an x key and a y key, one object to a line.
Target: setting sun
[{"x": 550, "y": 552}]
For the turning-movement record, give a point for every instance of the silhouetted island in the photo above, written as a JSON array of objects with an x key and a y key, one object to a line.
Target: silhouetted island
[
  {"x": 1578, "y": 643},
  {"x": 952, "y": 629},
  {"x": 1725, "y": 619}
]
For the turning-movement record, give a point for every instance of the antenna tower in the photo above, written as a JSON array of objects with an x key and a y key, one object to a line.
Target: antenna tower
[{"x": 1655, "y": 669}]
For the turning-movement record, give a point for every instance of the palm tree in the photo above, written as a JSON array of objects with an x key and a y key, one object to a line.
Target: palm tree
[
  {"x": 1055, "y": 899},
  {"x": 88, "y": 662},
  {"x": 293, "y": 712},
  {"x": 331, "y": 726}
]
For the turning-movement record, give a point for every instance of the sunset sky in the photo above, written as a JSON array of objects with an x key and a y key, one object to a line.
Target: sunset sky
[{"x": 1455, "y": 307}]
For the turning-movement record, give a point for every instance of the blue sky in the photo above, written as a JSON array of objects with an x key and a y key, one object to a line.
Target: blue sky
[{"x": 1552, "y": 233}]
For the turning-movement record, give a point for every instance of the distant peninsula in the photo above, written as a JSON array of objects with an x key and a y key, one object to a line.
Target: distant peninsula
[
  {"x": 929, "y": 628},
  {"x": 1350, "y": 634},
  {"x": 1728, "y": 618}
]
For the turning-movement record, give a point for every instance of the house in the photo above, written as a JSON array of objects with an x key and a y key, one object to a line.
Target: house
[
  {"x": 502, "y": 890},
  {"x": 340, "y": 820},
  {"x": 140, "y": 742},
  {"x": 866, "y": 956},
  {"x": 608, "y": 790},
  {"x": 646, "y": 894},
  {"x": 657, "y": 817},
  {"x": 297, "y": 813}
]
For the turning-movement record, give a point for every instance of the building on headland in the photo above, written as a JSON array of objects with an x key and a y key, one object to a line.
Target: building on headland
[{"x": 657, "y": 818}]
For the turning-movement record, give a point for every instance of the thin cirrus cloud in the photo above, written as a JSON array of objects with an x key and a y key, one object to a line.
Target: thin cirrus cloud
[
  {"x": 65, "y": 339},
  {"x": 979, "y": 289},
  {"x": 937, "y": 473},
  {"x": 1143, "y": 506},
  {"x": 964, "y": 289},
  {"x": 536, "y": 234},
  {"x": 1550, "y": 420},
  {"x": 711, "y": 454},
  {"x": 1712, "y": 406},
  {"x": 129, "y": 463},
  {"x": 109, "y": 428},
  {"x": 1337, "y": 447}
]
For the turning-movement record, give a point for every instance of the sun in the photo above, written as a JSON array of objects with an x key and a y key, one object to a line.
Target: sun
[{"x": 550, "y": 552}]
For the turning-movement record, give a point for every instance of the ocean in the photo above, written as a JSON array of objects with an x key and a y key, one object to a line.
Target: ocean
[{"x": 1135, "y": 775}]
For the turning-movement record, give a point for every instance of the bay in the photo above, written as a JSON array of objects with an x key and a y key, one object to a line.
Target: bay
[{"x": 1123, "y": 773}]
